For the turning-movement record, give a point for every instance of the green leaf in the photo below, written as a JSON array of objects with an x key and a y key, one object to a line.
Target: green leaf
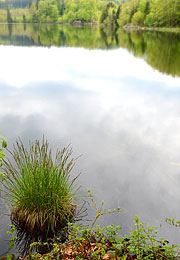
[
  {"x": 4, "y": 143},
  {"x": 2, "y": 155}
]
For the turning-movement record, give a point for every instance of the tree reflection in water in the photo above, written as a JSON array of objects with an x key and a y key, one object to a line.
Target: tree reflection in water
[{"x": 160, "y": 49}]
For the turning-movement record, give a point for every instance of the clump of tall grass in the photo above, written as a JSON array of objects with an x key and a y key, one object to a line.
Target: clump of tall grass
[{"x": 40, "y": 188}]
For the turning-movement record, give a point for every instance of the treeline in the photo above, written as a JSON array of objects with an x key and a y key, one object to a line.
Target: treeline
[
  {"x": 56, "y": 11},
  {"x": 117, "y": 13},
  {"x": 150, "y": 13},
  {"x": 68, "y": 11},
  {"x": 5, "y": 4}
]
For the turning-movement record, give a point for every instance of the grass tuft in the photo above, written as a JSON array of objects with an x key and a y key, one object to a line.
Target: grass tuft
[{"x": 40, "y": 189}]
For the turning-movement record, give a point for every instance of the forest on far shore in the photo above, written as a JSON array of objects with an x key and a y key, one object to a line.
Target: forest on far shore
[{"x": 117, "y": 13}]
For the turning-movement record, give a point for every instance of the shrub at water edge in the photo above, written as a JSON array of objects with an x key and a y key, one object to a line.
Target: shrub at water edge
[{"x": 40, "y": 190}]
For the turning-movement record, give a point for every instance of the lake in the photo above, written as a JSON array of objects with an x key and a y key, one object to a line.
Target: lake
[{"x": 115, "y": 97}]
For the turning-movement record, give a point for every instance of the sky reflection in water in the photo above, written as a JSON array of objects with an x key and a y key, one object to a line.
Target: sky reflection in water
[{"x": 115, "y": 110}]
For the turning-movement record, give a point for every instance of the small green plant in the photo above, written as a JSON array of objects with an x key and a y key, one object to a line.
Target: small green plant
[
  {"x": 93, "y": 241},
  {"x": 173, "y": 222},
  {"x": 11, "y": 242},
  {"x": 143, "y": 243},
  {"x": 3, "y": 143},
  {"x": 40, "y": 190},
  {"x": 100, "y": 212},
  {"x": 107, "y": 243},
  {"x": 12, "y": 238}
]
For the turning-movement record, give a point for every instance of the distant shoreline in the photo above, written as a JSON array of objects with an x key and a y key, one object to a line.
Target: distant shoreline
[
  {"x": 127, "y": 27},
  {"x": 131, "y": 27}
]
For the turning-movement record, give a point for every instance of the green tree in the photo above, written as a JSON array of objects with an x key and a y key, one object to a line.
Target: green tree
[
  {"x": 138, "y": 18},
  {"x": 47, "y": 12},
  {"x": 164, "y": 13},
  {"x": 32, "y": 11},
  {"x": 82, "y": 10},
  {"x": 37, "y": 4},
  {"x": 30, "y": 3},
  {"x": 9, "y": 17},
  {"x": 109, "y": 15},
  {"x": 127, "y": 11},
  {"x": 104, "y": 13},
  {"x": 143, "y": 6},
  {"x": 24, "y": 18}
]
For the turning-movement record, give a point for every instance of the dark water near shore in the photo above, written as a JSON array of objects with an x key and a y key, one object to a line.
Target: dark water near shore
[{"x": 115, "y": 97}]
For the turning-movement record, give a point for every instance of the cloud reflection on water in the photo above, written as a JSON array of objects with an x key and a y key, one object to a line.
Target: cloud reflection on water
[
  {"x": 73, "y": 64},
  {"x": 123, "y": 116}
]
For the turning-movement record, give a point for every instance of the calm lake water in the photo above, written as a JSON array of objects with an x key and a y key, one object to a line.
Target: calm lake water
[{"x": 115, "y": 97}]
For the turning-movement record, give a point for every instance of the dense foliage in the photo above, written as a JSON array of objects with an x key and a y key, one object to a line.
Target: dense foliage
[
  {"x": 150, "y": 13},
  {"x": 82, "y": 10},
  {"x": 106, "y": 243},
  {"x": 53, "y": 11},
  {"x": 4, "y": 4},
  {"x": 49, "y": 11},
  {"x": 114, "y": 13},
  {"x": 93, "y": 242}
]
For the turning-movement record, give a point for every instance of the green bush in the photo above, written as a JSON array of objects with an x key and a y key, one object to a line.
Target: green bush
[
  {"x": 40, "y": 190},
  {"x": 148, "y": 20},
  {"x": 138, "y": 18},
  {"x": 127, "y": 11}
]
